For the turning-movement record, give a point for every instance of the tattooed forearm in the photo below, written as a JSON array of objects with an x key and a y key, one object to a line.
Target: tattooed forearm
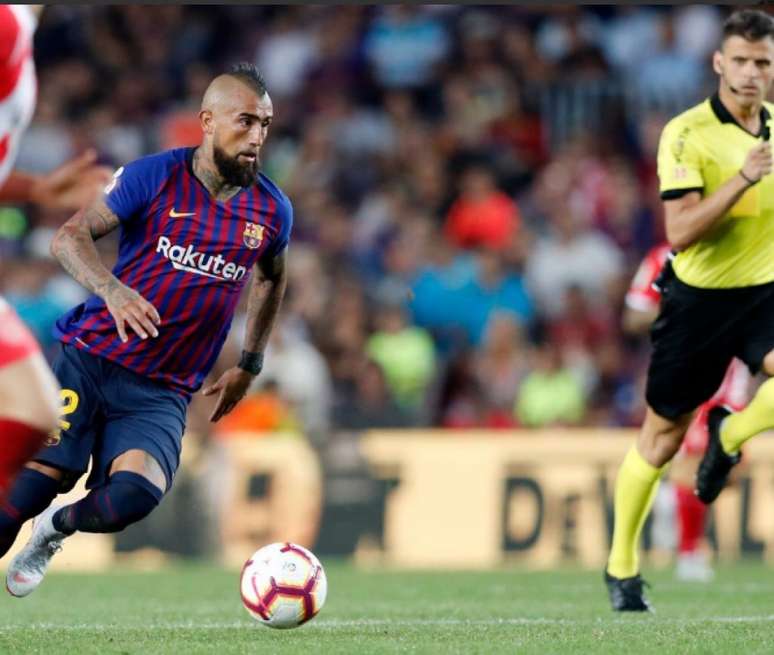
[
  {"x": 73, "y": 246},
  {"x": 266, "y": 293}
]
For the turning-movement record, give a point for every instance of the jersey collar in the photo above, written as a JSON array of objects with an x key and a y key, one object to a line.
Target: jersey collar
[{"x": 725, "y": 116}]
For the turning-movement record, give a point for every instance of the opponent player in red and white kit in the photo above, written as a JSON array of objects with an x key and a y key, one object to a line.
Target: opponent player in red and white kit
[
  {"x": 29, "y": 393},
  {"x": 642, "y": 304}
]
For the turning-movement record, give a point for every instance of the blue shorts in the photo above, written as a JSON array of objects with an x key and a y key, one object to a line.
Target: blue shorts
[{"x": 107, "y": 410}]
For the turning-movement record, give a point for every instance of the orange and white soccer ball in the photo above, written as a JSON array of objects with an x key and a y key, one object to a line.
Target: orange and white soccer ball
[{"x": 283, "y": 585}]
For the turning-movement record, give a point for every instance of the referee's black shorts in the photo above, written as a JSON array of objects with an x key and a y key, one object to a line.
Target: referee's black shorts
[{"x": 697, "y": 333}]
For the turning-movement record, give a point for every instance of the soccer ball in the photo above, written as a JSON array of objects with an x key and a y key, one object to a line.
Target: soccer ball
[{"x": 283, "y": 585}]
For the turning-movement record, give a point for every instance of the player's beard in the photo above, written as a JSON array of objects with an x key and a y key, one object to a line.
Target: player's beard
[{"x": 233, "y": 172}]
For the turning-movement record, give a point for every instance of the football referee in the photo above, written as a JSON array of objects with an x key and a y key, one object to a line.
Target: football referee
[{"x": 714, "y": 165}]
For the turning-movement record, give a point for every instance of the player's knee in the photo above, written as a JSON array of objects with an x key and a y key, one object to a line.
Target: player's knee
[
  {"x": 132, "y": 498},
  {"x": 668, "y": 448},
  {"x": 659, "y": 452},
  {"x": 660, "y": 438}
]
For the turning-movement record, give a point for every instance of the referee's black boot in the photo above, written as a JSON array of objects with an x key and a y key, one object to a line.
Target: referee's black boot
[
  {"x": 626, "y": 594},
  {"x": 716, "y": 463}
]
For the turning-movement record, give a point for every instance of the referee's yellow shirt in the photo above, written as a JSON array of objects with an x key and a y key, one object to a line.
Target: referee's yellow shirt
[{"x": 700, "y": 150}]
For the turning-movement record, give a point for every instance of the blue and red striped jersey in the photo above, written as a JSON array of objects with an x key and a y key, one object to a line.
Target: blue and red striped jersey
[{"x": 189, "y": 255}]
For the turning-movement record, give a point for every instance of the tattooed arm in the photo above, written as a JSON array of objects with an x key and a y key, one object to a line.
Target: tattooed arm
[
  {"x": 73, "y": 245},
  {"x": 266, "y": 293}
]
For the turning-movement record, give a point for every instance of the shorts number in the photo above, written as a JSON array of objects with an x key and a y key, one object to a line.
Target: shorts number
[
  {"x": 69, "y": 405},
  {"x": 70, "y": 401}
]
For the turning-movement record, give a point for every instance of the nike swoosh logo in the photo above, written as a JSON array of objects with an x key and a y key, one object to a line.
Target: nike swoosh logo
[{"x": 174, "y": 214}]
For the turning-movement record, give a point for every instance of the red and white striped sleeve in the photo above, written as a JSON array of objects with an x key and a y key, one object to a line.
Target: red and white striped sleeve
[
  {"x": 18, "y": 86},
  {"x": 17, "y": 26},
  {"x": 642, "y": 295}
]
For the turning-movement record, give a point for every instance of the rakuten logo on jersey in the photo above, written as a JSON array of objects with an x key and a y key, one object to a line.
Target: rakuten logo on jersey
[{"x": 191, "y": 260}]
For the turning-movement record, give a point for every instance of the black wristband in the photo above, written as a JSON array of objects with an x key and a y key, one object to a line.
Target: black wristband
[
  {"x": 748, "y": 180},
  {"x": 251, "y": 362}
]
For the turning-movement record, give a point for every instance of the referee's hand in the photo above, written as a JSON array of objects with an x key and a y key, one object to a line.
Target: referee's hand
[{"x": 758, "y": 162}]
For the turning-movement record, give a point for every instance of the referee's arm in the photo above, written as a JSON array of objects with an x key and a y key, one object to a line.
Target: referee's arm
[{"x": 689, "y": 217}]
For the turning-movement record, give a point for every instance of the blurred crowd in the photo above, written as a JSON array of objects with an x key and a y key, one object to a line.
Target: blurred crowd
[{"x": 473, "y": 189}]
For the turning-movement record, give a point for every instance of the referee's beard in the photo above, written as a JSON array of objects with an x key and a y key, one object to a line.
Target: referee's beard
[{"x": 234, "y": 172}]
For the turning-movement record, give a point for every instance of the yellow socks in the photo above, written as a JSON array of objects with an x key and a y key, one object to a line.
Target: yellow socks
[
  {"x": 756, "y": 417},
  {"x": 635, "y": 489},
  {"x": 637, "y": 483}
]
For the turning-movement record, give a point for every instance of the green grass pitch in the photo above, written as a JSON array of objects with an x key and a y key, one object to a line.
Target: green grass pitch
[{"x": 195, "y": 610}]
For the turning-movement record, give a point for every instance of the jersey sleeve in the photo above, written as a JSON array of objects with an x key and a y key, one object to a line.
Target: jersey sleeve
[
  {"x": 133, "y": 187},
  {"x": 285, "y": 219},
  {"x": 679, "y": 161},
  {"x": 641, "y": 295},
  {"x": 10, "y": 33}
]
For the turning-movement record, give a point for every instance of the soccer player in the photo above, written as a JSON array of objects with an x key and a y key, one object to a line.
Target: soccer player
[
  {"x": 714, "y": 162},
  {"x": 641, "y": 309},
  {"x": 193, "y": 223},
  {"x": 29, "y": 394}
]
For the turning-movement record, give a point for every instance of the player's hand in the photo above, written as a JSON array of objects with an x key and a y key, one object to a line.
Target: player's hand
[
  {"x": 73, "y": 185},
  {"x": 758, "y": 162},
  {"x": 127, "y": 307},
  {"x": 233, "y": 385}
]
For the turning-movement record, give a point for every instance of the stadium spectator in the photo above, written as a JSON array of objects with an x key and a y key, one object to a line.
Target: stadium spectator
[
  {"x": 482, "y": 215},
  {"x": 571, "y": 254},
  {"x": 550, "y": 395},
  {"x": 406, "y": 354},
  {"x": 404, "y": 45},
  {"x": 372, "y": 404}
]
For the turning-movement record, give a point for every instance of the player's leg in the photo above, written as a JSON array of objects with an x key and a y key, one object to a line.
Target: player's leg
[
  {"x": 635, "y": 490},
  {"x": 636, "y": 487},
  {"x": 134, "y": 488},
  {"x": 133, "y": 463},
  {"x": 54, "y": 469},
  {"x": 29, "y": 396},
  {"x": 692, "y": 561},
  {"x": 691, "y": 352},
  {"x": 729, "y": 431},
  {"x": 31, "y": 492},
  {"x": 128, "y": 495},
  {"x": 692, "y": 514},
  {"x": 138, "y": 456},
  {"x": 757, "y": 417}
]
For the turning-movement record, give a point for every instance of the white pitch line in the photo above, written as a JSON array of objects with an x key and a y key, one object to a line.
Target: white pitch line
[
  {"x": 342, "y": 623},
  {"x": 324, "y": 624}
]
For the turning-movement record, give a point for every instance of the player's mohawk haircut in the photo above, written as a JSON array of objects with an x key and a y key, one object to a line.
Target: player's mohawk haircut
[
  {"x": 750, "y": 24},
  {"x": 249, "y": 74}
]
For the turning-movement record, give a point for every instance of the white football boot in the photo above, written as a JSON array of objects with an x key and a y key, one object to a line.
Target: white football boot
[
  {"x": 27, "y": 569},
  {"x": 694, "y": 567}
]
